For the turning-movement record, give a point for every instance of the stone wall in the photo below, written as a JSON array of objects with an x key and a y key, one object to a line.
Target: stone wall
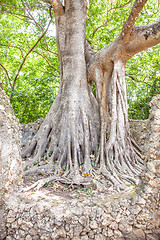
[
  {"x": 10, "y": 159},
  {"x": 131, "y": 214},
  {"x": 128, "y": 215},
  {"x": 139, "y": 131}
]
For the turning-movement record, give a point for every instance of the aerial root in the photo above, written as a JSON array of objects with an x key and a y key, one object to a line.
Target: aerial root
[
  {"x": 119, "y": 169},
  {"x": 136, "y": 145}
]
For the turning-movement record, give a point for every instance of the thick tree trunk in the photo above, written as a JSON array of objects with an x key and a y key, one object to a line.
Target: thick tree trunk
[
  {"x": 69, "y": 133},
  {"x": 80, "y": 126}
]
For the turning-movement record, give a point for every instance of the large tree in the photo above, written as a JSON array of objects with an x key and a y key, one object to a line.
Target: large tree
[{"x": 83, "y": 134}]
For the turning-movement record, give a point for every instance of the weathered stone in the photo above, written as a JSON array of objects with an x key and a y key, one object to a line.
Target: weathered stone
[
  {"x": 93, "y": 225},
  {"x": 105, "y": 232},
  {"x": 83, "y": 233},
  {"x": 91, "y": 234},
  {"x": 45, "y": 236},
  {"x": 100, "y": 237},
  {"x": 36, "y": 237},
  {"x": 84, "y": 237},
  {"x": 67, "y": 227},
  {"x": 11, "y": 214},
  {"x": 93, "y": 214},
  {"x": 24, "y": 227},
  {"x": 14, "y": 224},
  {"x": 108, "y": 209},
  {"x": 135, "y": 209},
  {"x": 130, "y": 236},
  {"x": 143, "y": 217},
  {"x": 155, "y": 183},
  {"x": 67, "y": 215},
  {"x": 110, "y": 232},
  {"x": 10, "y": 158},
  {"x": 113, "y": 225},
  {"x": 118, "y": 218},
  {"x": 97, "y": 230},
  {"x": 141, "y": 201},
  {"x": 157, "y": 231},
  {"x": 125, "y": 228},
  {"x": 39, "y": 208},
  {"x": 131, "y": 219},
  {"x": 139, "y": 233},
  {"x": 28, "y": 237},
  {"x": 151, "y": 167},
  {"x": 106, "y": 220},
  {"x": 9, "y": 238},
  {"x": 22, "y": 233},
  {"x": 82, "y": 220},
  {"x": 152, "y": 237},
  {"x": 77, "y": 230},
  {"x": 61, "y": 232},
  {"x": 99, "y": 212},
  {"x": 32, "y": 232},
  {"x": 117, "y": 234},
  {"x": 17, "y": 237},
  {"x": 11, "y": 220},
  {"x": 140, "y": 226}
]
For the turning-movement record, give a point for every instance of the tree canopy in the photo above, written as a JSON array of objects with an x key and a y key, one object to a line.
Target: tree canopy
[{"x": 29, "y": 65}]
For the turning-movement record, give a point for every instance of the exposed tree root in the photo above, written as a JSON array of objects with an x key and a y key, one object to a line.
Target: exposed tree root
[
  {"x": 69, "y": 136},
  {"x": 64, "y": 180},
  {"x": 45, "y": 169},
  {"x": 40, "y": 183}
]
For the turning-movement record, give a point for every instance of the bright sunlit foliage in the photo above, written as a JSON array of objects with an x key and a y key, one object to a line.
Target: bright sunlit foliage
[{"x": 31, "y": 79}]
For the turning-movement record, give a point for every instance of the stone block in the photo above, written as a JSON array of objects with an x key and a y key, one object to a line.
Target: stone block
[{"x": 139, "y": 233}]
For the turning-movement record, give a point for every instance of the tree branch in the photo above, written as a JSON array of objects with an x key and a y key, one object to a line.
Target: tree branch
[
  {"x": 18, "y": 15},
  {"x": 34, "y": 4},
  {"x": 136, "y": 80},
  {"x": 44, "y": 71},
  {"x": 6, "y": 5},
  {"x": 112, "y": 8},
  {"x": 28, "y": 54},
  {"x": 45, "y": 60},
  {"x": 143, "y": 37},
  {"x": 38, "y": 25},
  {"x": 5, "y": 45},
  {"x": 57, "y": 7},
  {"x": 6, "y": 74},
  {"x": 129, "y": 23},
  {"x": 50, "y": 51}
]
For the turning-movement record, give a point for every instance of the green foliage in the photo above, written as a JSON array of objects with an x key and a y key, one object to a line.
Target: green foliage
[
  {"x": 105, "y": 21},
  {"x": 32, "y": 100},
  {"x": 37, "y": 83},
  {"x": 143, "y": 82},
  {"x": 108, "y": 17}
]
